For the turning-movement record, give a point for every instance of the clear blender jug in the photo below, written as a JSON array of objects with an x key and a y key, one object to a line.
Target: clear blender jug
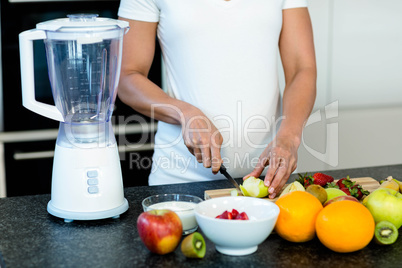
[{"x": 84, "y": 56}]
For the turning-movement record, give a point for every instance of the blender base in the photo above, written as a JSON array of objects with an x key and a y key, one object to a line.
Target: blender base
[
  {"x": 70, "y": 216},
  {"x": 86, "y": 183}
]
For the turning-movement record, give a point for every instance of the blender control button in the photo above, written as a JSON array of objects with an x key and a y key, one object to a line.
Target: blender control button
[
  {"x": 93, "y": 189},
  {"x": 92, "y": 173},
  {"x": 92, "y": 181}
]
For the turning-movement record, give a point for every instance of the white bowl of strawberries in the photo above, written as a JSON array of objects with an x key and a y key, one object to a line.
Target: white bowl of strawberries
[{"x": 223, "y": 219}]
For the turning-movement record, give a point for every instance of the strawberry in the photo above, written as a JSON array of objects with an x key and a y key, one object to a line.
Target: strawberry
[
  {"x": 358, "y": 191},
  {"x": 351, "y": 188},
  {"x": 322, "y": 179},
  {"x": 317, "y": 178},
  {"x": 332, "y": 185},
  {"x": 242, "y": 216},
  {"x": 346, "y": 190},
  {"x": 225, "y": 215},
  {"x": 305, "y": 180},
  {"x": 235, "y": 213},
  {"x": 345, "y": 183}
]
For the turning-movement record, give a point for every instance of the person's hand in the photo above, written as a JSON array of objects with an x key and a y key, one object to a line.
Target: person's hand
[
  {"x": 203, "y": 140},
  {"x": 281, "y": 158}
]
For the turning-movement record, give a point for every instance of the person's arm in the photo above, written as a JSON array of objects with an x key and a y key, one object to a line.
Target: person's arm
[
  {"x": 298, "y": 58},
  {"x": 136, "y": 90}
]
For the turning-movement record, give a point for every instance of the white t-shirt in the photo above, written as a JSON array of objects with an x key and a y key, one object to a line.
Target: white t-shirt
[{"x": 220, "y": 56}]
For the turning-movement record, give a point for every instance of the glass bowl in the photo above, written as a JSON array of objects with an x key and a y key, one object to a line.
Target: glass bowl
[{"x": 182, "y": 204}]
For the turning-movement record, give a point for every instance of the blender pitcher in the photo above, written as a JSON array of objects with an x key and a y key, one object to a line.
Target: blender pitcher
[{"x": 84, "y": 56}]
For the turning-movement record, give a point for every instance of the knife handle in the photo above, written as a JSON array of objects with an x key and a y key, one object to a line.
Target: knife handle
[{"x": 222, "y": 168}]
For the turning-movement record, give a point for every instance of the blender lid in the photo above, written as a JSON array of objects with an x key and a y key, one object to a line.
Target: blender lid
[{"x": 82, "y": 22}]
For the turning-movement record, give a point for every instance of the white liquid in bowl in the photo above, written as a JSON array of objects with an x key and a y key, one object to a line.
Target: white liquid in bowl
[{"x": 185, "y": 211}]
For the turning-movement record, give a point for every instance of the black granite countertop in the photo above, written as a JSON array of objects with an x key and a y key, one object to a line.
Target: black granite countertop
[{"x": 30, "y": 237}]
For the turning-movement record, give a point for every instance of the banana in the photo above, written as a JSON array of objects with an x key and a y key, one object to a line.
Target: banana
[
  {"x": 391, "y": 183},
  {"x": 397, "y": 181},
  {"x": 294, "y": 186}
]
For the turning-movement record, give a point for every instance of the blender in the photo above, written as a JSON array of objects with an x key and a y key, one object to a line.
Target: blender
[{"x": 83, "y": 54}]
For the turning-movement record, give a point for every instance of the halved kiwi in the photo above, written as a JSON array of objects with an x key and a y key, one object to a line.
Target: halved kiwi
[
  {"x": 385, "y": 233},
  {"x": 318, "y": 191},
  {"x": 193, "y": 246}
]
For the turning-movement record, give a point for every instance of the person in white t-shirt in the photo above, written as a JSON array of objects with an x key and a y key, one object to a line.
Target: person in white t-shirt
[{"x": 222, "y": 103}]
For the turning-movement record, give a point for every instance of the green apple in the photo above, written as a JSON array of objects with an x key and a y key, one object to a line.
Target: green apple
[
  {"x": 333, "y": 192},
  {"x": 386, "y": 205},
  {"x": 254, "y": 187}
]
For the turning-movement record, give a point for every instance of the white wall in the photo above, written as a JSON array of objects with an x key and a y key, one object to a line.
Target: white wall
[{"x": 359, "y": 59}]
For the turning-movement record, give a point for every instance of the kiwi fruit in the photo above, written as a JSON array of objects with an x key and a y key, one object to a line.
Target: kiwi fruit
[
  {"x": 385, "y": 233},
  {"x": 318, "y": 191},
  {"x": 193, "y": 246}
]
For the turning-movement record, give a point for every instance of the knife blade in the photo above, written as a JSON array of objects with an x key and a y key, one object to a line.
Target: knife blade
[{"x": 223, "y": 171}]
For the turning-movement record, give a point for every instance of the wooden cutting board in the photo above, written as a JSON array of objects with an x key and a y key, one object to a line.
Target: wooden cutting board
[{"x": 367, "y": 183}]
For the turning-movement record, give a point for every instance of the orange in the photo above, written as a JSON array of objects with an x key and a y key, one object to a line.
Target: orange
[
  {"x": 345, "y": 226},
  {"x": 297, "y": 216}
]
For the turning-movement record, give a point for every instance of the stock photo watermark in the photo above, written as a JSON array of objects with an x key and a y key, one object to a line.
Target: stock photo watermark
[
  {"x": 329, "y": 156},
  {"x": 254, "y": 133}
]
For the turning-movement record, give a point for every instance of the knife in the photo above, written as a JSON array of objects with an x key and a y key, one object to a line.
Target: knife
[{"x": 223, "y": 171}]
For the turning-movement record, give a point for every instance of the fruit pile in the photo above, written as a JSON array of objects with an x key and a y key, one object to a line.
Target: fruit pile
[
  {"x": 336, "y": 217},
  {"x": 345, "y": 185},
  {"x": 325, "y": 188},
  {"x": 314, "y": 184},
  {"x": 341, "y": 214}
]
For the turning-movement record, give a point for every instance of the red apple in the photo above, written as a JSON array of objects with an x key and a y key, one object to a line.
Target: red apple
[
  {"x": 160, "y": 230},
  {"x": 340, "y": 198}
]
